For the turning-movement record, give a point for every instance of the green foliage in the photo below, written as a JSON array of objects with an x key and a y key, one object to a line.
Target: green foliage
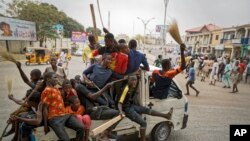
[
  {"x": 91, "y": 29},
  {"x": 45, "y": 16}
]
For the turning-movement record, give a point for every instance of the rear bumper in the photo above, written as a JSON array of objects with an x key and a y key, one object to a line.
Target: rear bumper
[{"x": 185, "y": 120}]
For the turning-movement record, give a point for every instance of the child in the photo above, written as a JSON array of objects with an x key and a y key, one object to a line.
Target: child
[
  {"x": 54, "y": 111},
  {"x": 35, "y": 76},
  {"x": 191, "y": 79},
  {"x": 133, "y": 111},
  {"x": 67, "y": 91},
  {"x": 76, "y": 109}
]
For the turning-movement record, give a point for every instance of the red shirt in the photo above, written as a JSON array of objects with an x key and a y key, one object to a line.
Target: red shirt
[
  {"x": 242, "y": 67},
  {"x": 52, "y": 97},
  {"x": 121, "y": 63}
]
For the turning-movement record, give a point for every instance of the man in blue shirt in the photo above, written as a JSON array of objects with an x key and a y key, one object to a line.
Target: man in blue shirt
[
  {"x": 191, "y": 79},
  {"x": 248, "y": 71},
  {"x": 135, "y": 58}
]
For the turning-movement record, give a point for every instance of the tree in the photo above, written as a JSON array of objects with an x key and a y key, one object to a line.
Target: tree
[
  {"x": 91, "y": 29},
  {"x": 45, "y": 16}
]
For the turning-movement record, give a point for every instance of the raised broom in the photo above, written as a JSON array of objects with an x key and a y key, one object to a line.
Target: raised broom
[{"x": 174, "y": 32}]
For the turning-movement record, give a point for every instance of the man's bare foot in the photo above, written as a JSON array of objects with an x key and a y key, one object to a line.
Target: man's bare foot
[
  {"x": 169, "y": 114},
  {"x": 197, "y": 93},
  {"x": 186, "y": 93}
]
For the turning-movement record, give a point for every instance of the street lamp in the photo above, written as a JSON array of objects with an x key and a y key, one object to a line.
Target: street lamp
[{"x": 145, "y": 23}]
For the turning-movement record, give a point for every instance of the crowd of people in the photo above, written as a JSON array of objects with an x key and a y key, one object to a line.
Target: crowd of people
[
  {"x": 221, "y": 69},
  {"x": 55, "y": 101}
]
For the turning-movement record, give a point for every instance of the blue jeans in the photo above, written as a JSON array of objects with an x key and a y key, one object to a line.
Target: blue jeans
[
  {"x": 133, "y": 113},
  {"x": 70, "y": 121}
]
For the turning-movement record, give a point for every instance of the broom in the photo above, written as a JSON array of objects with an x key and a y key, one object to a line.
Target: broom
[
  {"x": 174, "y": 32},
  {"x": 7, "y": 56},
  {"x": 9, "y": 86}
]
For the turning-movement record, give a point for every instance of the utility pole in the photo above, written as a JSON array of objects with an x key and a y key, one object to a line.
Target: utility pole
[
  {"x": 164, "y": 28},
  {"x": 145, "y": 23}
]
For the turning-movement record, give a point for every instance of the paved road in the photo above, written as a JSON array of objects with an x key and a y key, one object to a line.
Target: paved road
[{"x": 210, "y": 114}]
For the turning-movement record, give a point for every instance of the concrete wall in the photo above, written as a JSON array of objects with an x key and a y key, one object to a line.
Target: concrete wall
[{"x": 14, "y": 46}]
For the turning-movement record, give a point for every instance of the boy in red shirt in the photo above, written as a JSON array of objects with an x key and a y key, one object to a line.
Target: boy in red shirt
[{"x": 54, "y": 111}]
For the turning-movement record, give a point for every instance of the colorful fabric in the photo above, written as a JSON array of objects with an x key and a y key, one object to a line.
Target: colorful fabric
[
  {"x": 80, "y": 110},
  {"x": 242, "y": 67},
  {"x": 87, "y": 54},
  {"x": 52, "y": 97},
  {"x": 85, "y": 119},
  {"x": 121, "y": 63}
]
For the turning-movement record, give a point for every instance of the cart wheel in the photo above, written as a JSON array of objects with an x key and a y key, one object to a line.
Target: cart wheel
[
  {"x": 27, "y": 63},
  {"x": 161, "y": 132}
]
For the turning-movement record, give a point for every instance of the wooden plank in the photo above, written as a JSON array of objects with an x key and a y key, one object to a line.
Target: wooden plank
[
  {"x": 105, "y": 126},
  {"x": 94, "y": 21}
]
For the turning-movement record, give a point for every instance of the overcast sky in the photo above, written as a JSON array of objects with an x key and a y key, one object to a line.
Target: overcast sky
[{"x": 188, "y": 13}]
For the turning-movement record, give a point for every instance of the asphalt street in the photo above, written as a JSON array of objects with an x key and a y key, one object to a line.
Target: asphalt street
[{"x": 210, "y": 114}]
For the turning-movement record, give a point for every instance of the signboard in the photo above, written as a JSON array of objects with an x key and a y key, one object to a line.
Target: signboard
[
  {"x": 78, "y": 36},
  {"x": 14, "y": 29},
  {"x": 59, "y": 29},
  {"x": 160, "y": 28}
]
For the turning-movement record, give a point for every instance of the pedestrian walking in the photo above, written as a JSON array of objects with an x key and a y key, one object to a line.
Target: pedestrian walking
[
  {"x": 226, "y": 75},
  {"x": 235, "y": 75},
  {"x": 191, "y": 79},
  {"x": 214, "y": 72}
]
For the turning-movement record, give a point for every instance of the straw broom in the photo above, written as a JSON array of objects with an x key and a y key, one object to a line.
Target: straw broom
[{"x": 174, "y": 32}]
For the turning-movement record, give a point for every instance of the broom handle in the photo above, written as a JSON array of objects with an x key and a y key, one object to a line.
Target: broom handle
[{"x": 6, "y": 127}]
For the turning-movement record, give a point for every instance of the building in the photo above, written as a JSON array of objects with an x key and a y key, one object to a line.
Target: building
[
  {"x": 198, "y": 39},
  {"x": 235, "y": 41},
  {"x": 216, "y": 47}
]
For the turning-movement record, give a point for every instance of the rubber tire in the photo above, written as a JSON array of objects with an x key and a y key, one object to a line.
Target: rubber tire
[
  {"x": 27, "y": 63},
  {"x": 163, "y": 129}
]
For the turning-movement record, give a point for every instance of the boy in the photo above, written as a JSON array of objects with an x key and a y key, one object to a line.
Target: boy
[
  {"x": 35, "y": 76},
  {"x": 163, "y": 78},
  {"x": 54, "y": 111},
  {"x": 133, "y": 111},
  {"x": 191, "y": 79}
]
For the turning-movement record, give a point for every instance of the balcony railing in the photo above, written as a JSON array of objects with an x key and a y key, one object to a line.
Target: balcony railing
[{"x": 236, "y": 41}]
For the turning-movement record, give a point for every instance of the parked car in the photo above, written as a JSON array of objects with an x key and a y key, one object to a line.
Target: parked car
[{"x": 79, "y": 52}]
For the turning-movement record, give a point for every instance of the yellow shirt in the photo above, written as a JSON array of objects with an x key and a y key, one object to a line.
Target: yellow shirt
[{"x": 87, "y": 54}]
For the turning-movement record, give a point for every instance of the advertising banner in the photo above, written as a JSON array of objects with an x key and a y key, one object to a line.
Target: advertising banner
[
  {"x": 14, "y": 29},
  {"x": 78, "y": 36}
]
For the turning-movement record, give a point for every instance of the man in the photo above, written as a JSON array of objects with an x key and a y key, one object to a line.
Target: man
[
  {"x": 157, "y": 62},
  {"x": 87, "y": 51},
  {"x": 54, "y": 111},
  {"x": 242, "y": 66},
  {"x": 163, "y": 78},
  {"x": 191, "y": 79},
  {"x": 99, "y": 75},
  {"x": 135, "y": 58},
  {"x": 248, "y": 72},
  {"x": 134, "y": 111},
  {"x": 226, "y": 75},
  {"x": 89, "y": 99}
]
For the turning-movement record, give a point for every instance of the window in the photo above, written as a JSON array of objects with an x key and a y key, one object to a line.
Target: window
[{"x": 216, "y": 37}]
